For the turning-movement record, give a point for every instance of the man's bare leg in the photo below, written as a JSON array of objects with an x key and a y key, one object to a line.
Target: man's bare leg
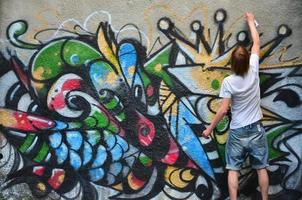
[
  {"x": 233, "y": 184},
  {"x": 263, "y": 183}
]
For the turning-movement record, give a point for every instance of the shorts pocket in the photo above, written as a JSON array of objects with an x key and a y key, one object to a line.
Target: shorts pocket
[{"x": 258, "y": 145}]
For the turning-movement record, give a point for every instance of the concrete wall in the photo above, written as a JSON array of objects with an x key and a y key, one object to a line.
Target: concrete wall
[{"x": 107, "y": 99}]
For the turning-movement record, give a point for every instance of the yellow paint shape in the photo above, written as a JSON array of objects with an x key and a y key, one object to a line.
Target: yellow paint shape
[
  {"x": 158, "y": 67},
  {"x": 131, "y": 70},
  {"x": 269, "y": 118},
  {"x": 61, "y": 178},
  {"x": 132, "y": 183},
  {"x": 264, "y": 50},
  {"x": 200, "y": 77},
  {"x": 38, "y": 86},
  {"x": 221, "y": 139},
  {"x": 267, "y": 122},
  {"x": 172, "y": 176},
  {"x": 38, "y": 73},
  {"x": 113, "y": 48},
  {"x": 187, "y": 176},
  {"x": 164, "y": 90},
  {"x": 6, "y": 119},
  {"x": 168, "y": 101},
  {"x": 106, "y": 50},
  {"x": 118, "y": 187},
  {"x": 289, "y": 64},
  {"x": 268, "y": 114},
  {"x": 41, "y": 186},
  {"x": 174, "y": 109},
  {"x": 111, "y": 78},
  {"x": 215, "y": 104}
]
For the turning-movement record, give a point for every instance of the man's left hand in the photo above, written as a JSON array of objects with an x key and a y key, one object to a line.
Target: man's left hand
[{"x": 206, "y": 133}]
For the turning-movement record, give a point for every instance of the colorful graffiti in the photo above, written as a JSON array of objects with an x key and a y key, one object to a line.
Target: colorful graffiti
[{"x": 90, "y": 111}]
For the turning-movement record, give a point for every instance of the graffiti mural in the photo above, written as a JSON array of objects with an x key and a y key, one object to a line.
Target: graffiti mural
[{"x": 90, "y": 112}]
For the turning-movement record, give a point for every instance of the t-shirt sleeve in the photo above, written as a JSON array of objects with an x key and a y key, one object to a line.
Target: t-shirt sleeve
[
  {"x": 225, "y": 90},
  {"x": 254, "y": 62}
]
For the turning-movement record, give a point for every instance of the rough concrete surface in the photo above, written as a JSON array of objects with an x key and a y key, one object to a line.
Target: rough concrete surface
[{"x": 95, "y": 110}]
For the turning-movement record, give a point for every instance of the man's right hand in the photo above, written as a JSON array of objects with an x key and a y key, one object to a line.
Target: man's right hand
[{"x": 249, "y": 17}]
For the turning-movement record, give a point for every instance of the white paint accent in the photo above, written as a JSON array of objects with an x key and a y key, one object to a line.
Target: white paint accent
[
  {"x": 273, "y": 189},
  {"x": 205, "y": 140},
  {"x": 153, "y": 110},
  {"x": 218, "y": 170},
  {"x": 96, "y": 13},
  {"x": 24, "y": 102},
  {"x": 180, "y": 60},
  {"x": 213, "y": 155},
  {"x": 62, "y": 25},
  {"x": 7, "y": 80},
  {"x": 32, "y": 145},
  {"x": 19, "y": 134}
]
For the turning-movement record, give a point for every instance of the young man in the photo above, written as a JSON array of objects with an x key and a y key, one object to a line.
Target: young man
[{"x": 247, "y": 136}]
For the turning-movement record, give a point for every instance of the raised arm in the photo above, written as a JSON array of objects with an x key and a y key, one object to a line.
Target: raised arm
[{"x": 250, "y": 19}]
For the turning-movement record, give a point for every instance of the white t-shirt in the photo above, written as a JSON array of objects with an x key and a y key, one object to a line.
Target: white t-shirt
[{"x": 245, "y": 95}]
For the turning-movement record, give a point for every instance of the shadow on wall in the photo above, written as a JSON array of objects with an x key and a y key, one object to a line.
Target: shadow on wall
[{"x": 89, "y": 111}]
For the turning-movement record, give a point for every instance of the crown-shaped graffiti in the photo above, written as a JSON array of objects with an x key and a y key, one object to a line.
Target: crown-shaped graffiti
[{"x": 217, "y": 54}]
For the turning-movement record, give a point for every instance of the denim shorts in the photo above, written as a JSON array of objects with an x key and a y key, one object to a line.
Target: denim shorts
[{"x": 246, "y": 141}]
